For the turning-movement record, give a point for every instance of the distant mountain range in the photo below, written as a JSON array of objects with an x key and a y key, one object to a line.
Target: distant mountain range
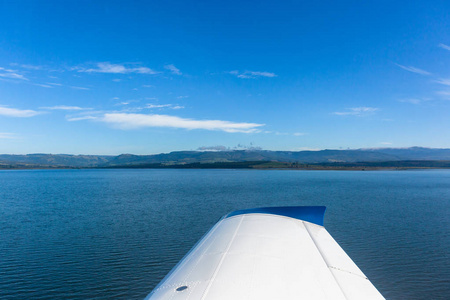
[{"x": 211, "y": 157}]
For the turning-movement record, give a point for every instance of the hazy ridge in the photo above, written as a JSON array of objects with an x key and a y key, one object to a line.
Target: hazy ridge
[{"x": 180, "y": 158}]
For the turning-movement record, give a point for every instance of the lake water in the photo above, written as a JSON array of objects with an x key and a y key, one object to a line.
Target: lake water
[{"x": 104, "y": 234}]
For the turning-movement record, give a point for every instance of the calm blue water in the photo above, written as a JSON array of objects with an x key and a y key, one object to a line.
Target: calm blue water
[{"x": 104, "y": 234}]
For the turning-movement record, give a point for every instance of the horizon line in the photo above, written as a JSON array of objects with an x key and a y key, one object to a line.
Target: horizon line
[{"x": 231, "y": 150}]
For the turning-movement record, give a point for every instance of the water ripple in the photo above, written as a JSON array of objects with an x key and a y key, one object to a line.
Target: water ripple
[{"x": 114, "y": 234}]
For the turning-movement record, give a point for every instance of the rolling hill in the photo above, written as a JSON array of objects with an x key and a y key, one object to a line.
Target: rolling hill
[{"x": 210, "y": 157}]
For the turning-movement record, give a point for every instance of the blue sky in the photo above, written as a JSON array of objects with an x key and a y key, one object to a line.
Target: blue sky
[{"x": 143, "y": 77}]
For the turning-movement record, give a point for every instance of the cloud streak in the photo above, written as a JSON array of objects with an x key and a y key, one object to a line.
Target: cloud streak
[
  {"x": 7, "y": 135},
  {"x": 65, "y": 107},
  {"x": 18, "y": 113},
  {"x": 79, "y": 88},
  {"x": 173, "y": 69},
  {"x": 157, "y": 106},
  {"x": 11, "y": 74},
  {"x": 357, "y": 111},
  {"x": 444, "y": 81},
  {"x": 445, "y": 95},
  {"x": 414, "y": 70},
  {"x": 73, "y": 119},
  {"x": 43, "y": 85},
  {"x": 136, "y": 121},
  {"x": 106, "y": 67},
  {"x": 444, "y": 46},
  {"x": 169, "y": 106},
  {"x": 411, "y": 100},
  {"x": 252, "y": 74},
  {"x": 29, "y": 67}
]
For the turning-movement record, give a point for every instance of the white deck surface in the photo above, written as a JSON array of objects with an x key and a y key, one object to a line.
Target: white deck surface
[{"x": 264, "y": 256}]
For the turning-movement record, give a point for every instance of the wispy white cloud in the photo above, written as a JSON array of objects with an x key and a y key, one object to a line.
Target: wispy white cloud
[
  {"x": 444, "y": 81},
  {"x": 284, "y": 133},
  {"x": 106, "y": 67},
  {"x": 173, "y": 69},
  {"x": 445, "y": 95},
  {"x": 157, "y": 105},
  {"x": 414, "y": 70},
  {"x": 73, "y": 119},
  {"x": 251, "y": 74},
  {"x": 11, "y": 74},
  {"x": 43, "y": 85},
  {"x": 7, "y": 135},
  {"x": 444, "y": 46},
  {"x": 65, "y": 107},
  {"x": 263, "y": 74},
  {"x": 386, "y": 143},
  {"x": 50, "y": 85},
  {"x": 306, "y": 149},
  {"x": 134, "y": 121},
  {"x": 170, "y": 106},
  {"x": 25, "y": 66},
  {"x": 218, "y": 148},
  {"x": 125, "y": 102},
  {"x": 411, "y": 100},
  {"x": 20, "y": 113},
  {"x": 357, "y": 111},
  {"x": 79, "y": 88},
  {"x": 213, "y": 148}
]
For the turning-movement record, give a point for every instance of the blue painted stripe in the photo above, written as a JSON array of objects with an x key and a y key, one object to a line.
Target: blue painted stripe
[{"x": 312, "y": 214}]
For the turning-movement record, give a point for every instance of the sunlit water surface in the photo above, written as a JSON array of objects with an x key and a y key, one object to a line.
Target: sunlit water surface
[{"x": 114, "y": 234}]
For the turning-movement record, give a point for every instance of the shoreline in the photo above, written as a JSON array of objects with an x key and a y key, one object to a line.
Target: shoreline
[{"x": 231, "y": 168}]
